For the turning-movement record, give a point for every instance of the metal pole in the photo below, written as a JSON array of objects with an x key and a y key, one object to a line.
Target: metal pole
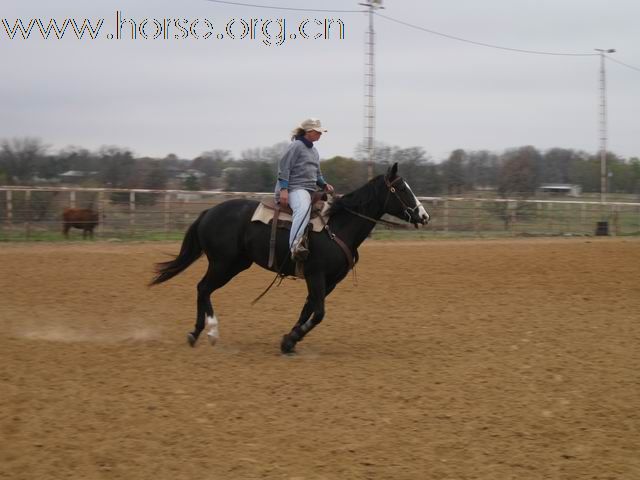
[
  {"x": 603, "y": 125},
  {"x": 369, "y": 86}
]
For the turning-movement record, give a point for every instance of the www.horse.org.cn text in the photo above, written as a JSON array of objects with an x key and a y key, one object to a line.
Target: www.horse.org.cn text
[{"x": 268, "y": 31}]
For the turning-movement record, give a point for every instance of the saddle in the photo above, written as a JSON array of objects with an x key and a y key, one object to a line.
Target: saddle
[{"x": 272, "y": 213}]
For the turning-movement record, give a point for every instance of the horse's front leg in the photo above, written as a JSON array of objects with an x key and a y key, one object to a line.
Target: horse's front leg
[{"x": 311, "y": 315}]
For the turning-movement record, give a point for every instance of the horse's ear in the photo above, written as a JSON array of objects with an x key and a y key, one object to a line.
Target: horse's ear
[{"x": 393, "y": 171}]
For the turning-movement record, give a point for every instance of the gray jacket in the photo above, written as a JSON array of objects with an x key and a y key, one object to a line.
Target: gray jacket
[{"x": 299, "y": 168}]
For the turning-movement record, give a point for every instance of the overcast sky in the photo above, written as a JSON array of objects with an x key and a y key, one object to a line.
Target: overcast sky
[{"x": 188, "y": 95}]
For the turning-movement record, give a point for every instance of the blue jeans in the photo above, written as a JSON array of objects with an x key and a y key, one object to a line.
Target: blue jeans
[{"x": 299, "y": 201}]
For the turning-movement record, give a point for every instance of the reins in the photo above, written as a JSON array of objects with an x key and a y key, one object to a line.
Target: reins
[
  {"x": 390, "y": 190},
  {"x": 380, "y": 220},
  {"x": 278, "y": 275}
]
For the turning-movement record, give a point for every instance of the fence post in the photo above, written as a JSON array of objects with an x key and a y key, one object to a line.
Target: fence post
[
  {"x": 512, "y": 208},
  {"x": 167, "y": 198},
  {"x": 27, "y": 225},
  {"x": 476, "y": 210},
  {"x": 132, "y": 211},
  {"x": 550, "y": 215},
  {"x": 100, "y": 213},
  {"x": 186, "y": 209},
  {"x": 539, "y": 215},
  {"x": 583, "y": 217},
  {"x": 9, "y": 208},
  {"x": 615, "y": 211},
  {"x": 446, "y": 215},
  {"x": 72, "y": 199}
]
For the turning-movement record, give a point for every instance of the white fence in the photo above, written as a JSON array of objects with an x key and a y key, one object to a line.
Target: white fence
[{"x": 29, "y": 213}]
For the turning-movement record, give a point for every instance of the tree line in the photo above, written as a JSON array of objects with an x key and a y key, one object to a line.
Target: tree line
[{"x": 518, "y": 171}]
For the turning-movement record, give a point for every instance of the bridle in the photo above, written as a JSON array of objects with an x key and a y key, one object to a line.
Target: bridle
[{"x": 391, "y": 189}]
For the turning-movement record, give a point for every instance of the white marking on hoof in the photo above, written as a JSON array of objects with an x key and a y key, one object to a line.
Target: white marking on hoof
[{"x": 213, "y": 334}]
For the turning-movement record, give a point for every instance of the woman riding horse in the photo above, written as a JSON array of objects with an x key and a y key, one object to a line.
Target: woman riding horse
[
  {"x": 298, "y": 175},
  {"x": 232, "y": 242}
]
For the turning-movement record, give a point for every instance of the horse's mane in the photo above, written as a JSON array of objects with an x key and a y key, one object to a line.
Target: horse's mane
[{"x": 357, "y": 199}]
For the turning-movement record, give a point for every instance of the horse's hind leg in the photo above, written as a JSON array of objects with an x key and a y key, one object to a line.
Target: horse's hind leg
[{"x": 217, "y": 276}]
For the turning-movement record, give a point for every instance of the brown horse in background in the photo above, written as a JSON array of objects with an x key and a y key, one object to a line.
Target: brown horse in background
[{"x": 82, "y": 218}]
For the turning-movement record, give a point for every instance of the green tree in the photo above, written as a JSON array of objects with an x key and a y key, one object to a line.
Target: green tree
[
  {"x": 623, "y": 175},
  {"x": 557, "y": 163},
  {"x": 345, "y": 174},
  {"x": 586, "y": 173},
  {"x": 191, "y": 183},
  {"x": 250, "y": 176}
]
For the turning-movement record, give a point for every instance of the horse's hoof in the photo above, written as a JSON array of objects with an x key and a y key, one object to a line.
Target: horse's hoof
[
  {"x": 191, "y": 338},
  {"x": 287, "y": 345}
]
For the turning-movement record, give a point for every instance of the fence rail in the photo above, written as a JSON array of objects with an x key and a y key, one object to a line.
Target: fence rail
[{"x": 31, "y": 213}]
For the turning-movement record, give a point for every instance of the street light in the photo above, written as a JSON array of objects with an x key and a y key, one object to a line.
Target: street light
[{"x": 603, "y": 125}]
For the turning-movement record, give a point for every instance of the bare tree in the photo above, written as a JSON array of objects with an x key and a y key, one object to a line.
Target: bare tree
[
  {"x": 20, "y": 159},
  {"x": 453, "y": 172},
  {"x": 116, "y": 166},
  {"x": 520, "y": 172}
]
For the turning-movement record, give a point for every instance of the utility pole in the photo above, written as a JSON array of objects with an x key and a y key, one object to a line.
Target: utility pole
[
  {"x": 603, "y": 125},
  {"x": 369, "y": 86}
]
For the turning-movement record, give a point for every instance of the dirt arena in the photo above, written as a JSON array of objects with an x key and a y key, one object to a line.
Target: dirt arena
[{"x": 471, "y": 359}]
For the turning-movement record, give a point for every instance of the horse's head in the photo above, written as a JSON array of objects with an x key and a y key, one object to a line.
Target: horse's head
[{"x": 400, "y": 200}]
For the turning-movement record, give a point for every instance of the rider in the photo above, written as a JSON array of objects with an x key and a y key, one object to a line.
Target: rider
[{"x": 298, "y": 175}]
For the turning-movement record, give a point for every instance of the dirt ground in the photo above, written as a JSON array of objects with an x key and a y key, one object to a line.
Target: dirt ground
[{"x": 471, "y": 359}]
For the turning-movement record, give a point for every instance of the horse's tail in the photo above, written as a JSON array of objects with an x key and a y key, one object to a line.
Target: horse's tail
[{"x": 190, "y": 251}]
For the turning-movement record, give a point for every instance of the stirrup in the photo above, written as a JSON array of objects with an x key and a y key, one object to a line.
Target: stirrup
[
  {"x": 299, "y": 253},
  {"x": 299, "y": 250}
]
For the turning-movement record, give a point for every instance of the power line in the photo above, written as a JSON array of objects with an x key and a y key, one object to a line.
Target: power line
[
  {"x": 285, "y": 8},
  {"x": 423, "y": 29},
  {"x": 622, "y": 63},
  {"x": 519, "y": 50}
]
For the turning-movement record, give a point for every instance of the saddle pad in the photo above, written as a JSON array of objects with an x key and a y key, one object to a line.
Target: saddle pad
[{"x": 265, "y": 215}]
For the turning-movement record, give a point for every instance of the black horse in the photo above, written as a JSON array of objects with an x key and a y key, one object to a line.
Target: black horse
[{"x": 232, "y": 243}]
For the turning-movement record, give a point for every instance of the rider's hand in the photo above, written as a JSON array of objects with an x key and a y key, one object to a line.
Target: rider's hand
[
  {"x": 284, "y": 197},
  {"x": 329, "y": 188}
]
